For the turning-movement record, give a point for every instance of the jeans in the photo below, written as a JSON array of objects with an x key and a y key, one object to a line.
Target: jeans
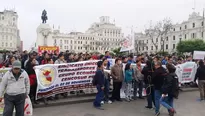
[
  {"x": 17, "y": 101},
  {"x": 158, "y": 95},
  {"x": 150, "y": 95},
  {"x": 99, "y": 97},
  {"x": 107, "y": 89},
  {"x": 167, "y": 102}
]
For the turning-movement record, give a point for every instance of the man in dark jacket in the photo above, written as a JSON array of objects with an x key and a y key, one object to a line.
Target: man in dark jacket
[
  {"x": 158, "y": 80},
  {"x": 148, "y": 80},
  {"x": 100, "y": 80},
  {"x": 200, "y": 75},
  {"x": 168, "y": 89}
]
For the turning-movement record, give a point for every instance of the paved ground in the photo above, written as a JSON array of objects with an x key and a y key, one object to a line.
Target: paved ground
[{"x": 187, "y": 105}]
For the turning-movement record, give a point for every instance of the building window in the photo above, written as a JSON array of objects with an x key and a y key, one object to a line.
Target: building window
[
  {"x": 202, "y": 23},
  {"x": 81, "y": 42},
  {"x": 173, "y": 46},
  {"x": 185, "y": 27},
  {"x": 180, "y": 28},
  {"x": 65, "y": 41},
  {"x": 147, "y": 41},
  {"x": 71, "y": 47},
  {"x": 71, "y": 41},
  {"x": 151, "y": 47},
  {"x": 193, "y": 35},
  {"x": 202, "y": 34},
  {"x": 6, "y": 44},
  {"x": 6, "y": 37},
  {"x": 173, "y": 37},
  {"x": 193, "y": 25},
  {"x": 64, "y": 47},
  {"x": 10, "y": 44},
  {"x": 147, "y": 47},
  {"x": 2, "y": 44},
  {"x": 78, "y": 42},
  {"x": 156, "y": 39},
  {"x": 185, "y": 36},
  {"x": 75, "y": 42},
  {"x": 166, "y": 46},
  {"x": 14, "y": 19},
  {"x": 2, "y": 17},
  {"x": 61, "y": 41},
  {"x": 156, "y": 47},
  {"x": 174, "y": 29}
]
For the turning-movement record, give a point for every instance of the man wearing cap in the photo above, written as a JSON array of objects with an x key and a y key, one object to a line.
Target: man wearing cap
[{"x": 15, "y": 87}]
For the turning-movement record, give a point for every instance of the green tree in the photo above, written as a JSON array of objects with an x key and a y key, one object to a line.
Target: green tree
[
  {"x": 117, "y": 52},
  {"x": 191, "y": 45}
]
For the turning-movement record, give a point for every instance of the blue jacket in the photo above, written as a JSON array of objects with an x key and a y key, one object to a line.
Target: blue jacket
[
  {"x": 100, "y": 78},
  {"x": 128, "y": 75},
  {"x": 108, "y": 64}
]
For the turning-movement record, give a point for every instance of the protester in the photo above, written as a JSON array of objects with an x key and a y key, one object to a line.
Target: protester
[
  {"x": 100, "y": 80},
  {"x": 148, "y": 80},
  {"x": 200, "y": 76},
  {"x": 61, "y": 60},
  {"x": 138, "y": 82},
  {"x": 107, "y": 82},
  {"x": 32, "y": 77},
  {"x": 15, "y": 86},
  {"x": 168, "y": 90},
  {"x": 10, "y": 61},
  {"x": 158, "y": 80},
  {"x": 117, "y": 75},
  {"x": 128, "y": 81}
]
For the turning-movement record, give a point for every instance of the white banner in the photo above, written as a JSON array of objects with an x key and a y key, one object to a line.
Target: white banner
[
  {"x": 128, "y": 44},
  {"x": 60, "y": 78},
  {"x": 28, "y": 109}
]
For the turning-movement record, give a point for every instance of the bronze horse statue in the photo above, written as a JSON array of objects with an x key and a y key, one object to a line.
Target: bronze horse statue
[{"x": 44, "y": 16}]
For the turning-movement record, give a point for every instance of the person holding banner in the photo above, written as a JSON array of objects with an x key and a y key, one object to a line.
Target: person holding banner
[
  {"x": 15, "y": 86},
  {"x": 61, "y": 60},
  {"x": 99, "y": 82}
]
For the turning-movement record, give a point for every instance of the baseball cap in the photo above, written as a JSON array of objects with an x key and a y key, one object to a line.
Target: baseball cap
[{"x": 16, "y": 64}]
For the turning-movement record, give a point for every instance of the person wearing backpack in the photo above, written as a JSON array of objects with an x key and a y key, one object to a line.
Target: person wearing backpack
[
  {"x": 169, "y": 89},
  {"x": 99, "y": 81}
]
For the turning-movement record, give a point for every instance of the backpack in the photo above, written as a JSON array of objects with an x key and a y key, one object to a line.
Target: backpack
[{"x": 175, "y": 87}]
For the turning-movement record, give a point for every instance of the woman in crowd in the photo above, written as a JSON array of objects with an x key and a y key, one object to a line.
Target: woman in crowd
[
  {"x": 32, "y": 77},
  {"x": 10, "y": 61},
  {"x": 61, "y": 60},
  {"x": 128, "y": 81},
  {"x": 45, "y": 58},
  {"x": 168, "y": 89}
]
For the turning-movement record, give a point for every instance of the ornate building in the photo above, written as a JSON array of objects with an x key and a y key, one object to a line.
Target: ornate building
[
  {"x": 9, "y": 32},
  {"x": 193, "y": 28},
  {"x": 100, "y": 37}
]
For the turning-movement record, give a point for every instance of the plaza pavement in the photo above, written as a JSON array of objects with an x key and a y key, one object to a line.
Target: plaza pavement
[{"x": 186, "y": 105}]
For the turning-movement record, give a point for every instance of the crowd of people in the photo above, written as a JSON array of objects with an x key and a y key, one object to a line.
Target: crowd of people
[{"x": 161, "y": 84}]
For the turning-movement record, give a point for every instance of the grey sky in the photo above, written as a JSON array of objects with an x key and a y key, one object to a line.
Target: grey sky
[{"x": 78, "y": 15}]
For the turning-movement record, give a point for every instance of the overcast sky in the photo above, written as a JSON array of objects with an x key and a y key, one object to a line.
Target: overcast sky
[{"x": 78, "y": 15}]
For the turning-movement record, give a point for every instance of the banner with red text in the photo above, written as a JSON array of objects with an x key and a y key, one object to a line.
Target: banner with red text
[
  {"x": 60, "y": 78},
  {"x": 49, "y": 49}
]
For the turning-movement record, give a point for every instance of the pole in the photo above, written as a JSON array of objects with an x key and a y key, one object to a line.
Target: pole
[{"x": 203, "y": 24}]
